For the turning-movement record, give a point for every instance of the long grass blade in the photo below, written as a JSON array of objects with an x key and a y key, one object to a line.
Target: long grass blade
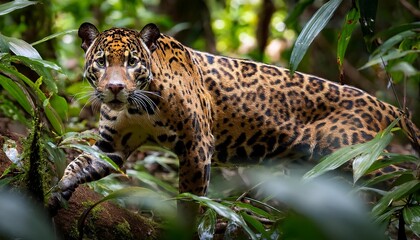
[
  {"x": 310, "y": 31},
  {"x": 345, "y": 35}
]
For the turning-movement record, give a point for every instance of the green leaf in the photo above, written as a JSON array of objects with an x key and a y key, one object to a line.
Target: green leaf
[
  {"x": 393, "y": 31},
  {"x": 345, "y": 35},
  {"x": 20, "y": 47},
  {"x": 56, "y": 155},
  {"x": 42, "y": 68},
  {"x": 4, "y": 46},
  {"x": 256, "y": 224},
  {"x": 85, "y": 136},
  {"x": 333, "y": 161},
  {"x": 13, "y": 111},
  {"x": 221, "y": 210},
  {"x": 393, "y": 54},
  {"x": 385, "y": 177},
  {"x": 15, "y": 90},
  {"x": 386, "y": 216},
  {"x": 372, "y": 151},
  {"x": 53, "y": 117},
  {"x": 60, "y": 105},
  {"x": 50, "y": 112},
  {"x": 364, "y": 155},
  {"x": 397, "y": 193},
  {"x": 207, "y": 225},
  {"x": 256, "y": 211},
  {"x": 391, "y": 42},
  {"x": 151, "y": 180},
  {"x": 54, "y": 36},
  {"x": 412, "y": 218},
  {"x": 6, "y": 8},
  {"x": 310, "y": 31},
  {"x": 407, "y": 69},
  {"x": 392, "y": 159}
]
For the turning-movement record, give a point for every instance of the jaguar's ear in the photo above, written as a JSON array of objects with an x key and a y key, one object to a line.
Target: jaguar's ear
[
  {"x": 87, "y": 32},
  {"x": 150, "y": 34}
]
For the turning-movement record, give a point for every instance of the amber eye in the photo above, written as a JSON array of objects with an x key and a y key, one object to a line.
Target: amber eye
[
  {"x": 132, "y": 62},
  {"x": 100, "y": 61}
]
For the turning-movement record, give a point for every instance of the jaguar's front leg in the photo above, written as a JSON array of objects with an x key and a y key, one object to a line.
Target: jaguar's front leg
[
  {"x": 194, "y": 177},
  {"x": 85, "y": 168}
]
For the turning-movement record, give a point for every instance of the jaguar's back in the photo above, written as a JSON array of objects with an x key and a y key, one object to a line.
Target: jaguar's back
[
  {"x": 261, "y": 112},
  {"x": 214, "y": 110}
]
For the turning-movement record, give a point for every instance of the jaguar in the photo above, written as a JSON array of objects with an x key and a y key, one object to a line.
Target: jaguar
[{"x": 213, "y": 110}]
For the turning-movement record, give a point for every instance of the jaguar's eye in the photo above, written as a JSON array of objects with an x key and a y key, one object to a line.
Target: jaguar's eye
[
  {"x": 132, "y": 62},
  {"x": 100, "y": 61}
]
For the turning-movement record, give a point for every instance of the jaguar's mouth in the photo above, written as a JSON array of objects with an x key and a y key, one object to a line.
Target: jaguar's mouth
[{"x": 115, "y": 104}]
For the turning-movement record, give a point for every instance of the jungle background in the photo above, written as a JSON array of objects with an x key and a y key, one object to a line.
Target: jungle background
[{"x": 46, "y": 120}]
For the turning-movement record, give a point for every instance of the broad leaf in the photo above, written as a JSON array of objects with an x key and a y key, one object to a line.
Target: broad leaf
[
  {"x": 53, "y": 117},
  {"x": 13, "y": 111},
  {"x": 20, "y": 47},
  {"x": 6, "y": 8},
  {"x": 393, "y": 54},
  {"x": 207, "y": 225},
  {"x": 412, "y": 218},
  {"x": 256, "y": 224},
  {"x": 221, "y": 210},
  {"x": 391, "y": 159},
  {"x": 386, "y": 216},
  {"x": 15, "y": 91},
  {"x": 50, "y": 112},
  {"x": 42, "y": 68},
  {"x": 85, "y": 136},
  {"x": 153, "y": 181},
  {"x": 310, "y": 31},
  {"x": 393, "y": 31},
  {"x": 250, "y": 208},
  {"x": 391, "y": 42},
  {"x": 333, "y": 161},
  {"x": 385, "y": 177},
  {"x": 60, "y": 105},
  {"x": 396, "y": 194},
  {"x": 407, "y": 69},
  {"x": 56, "y": 156},
  {"x": 364, "y": 154},
  {"x": 362, "y": 163}
]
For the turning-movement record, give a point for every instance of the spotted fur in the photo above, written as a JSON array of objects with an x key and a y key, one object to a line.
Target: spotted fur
[{"x": 213, "y": 110}]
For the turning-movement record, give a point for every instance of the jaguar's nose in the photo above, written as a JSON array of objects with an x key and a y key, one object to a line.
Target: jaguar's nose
[{"x": 115, "y": 88}]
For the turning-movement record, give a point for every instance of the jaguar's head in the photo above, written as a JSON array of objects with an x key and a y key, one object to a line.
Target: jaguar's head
[{"x": 118, "y": 64}]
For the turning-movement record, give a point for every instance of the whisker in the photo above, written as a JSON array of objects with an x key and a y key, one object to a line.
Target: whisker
[
  {"x": 152, "y": 93},
  {"x": 82, "y": 95},
  {"x": 146, "y": 98},
  {"x": 96, "y": 104},
  {"x": 141, "y": 104}
]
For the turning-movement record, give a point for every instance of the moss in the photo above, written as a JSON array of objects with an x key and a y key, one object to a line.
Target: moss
[
  {"x": 123, "y": 230},
  {"x": 74, "y": 232},
  {"x": 89, "y": 228},
  {"x": 34, "y": 161}
]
